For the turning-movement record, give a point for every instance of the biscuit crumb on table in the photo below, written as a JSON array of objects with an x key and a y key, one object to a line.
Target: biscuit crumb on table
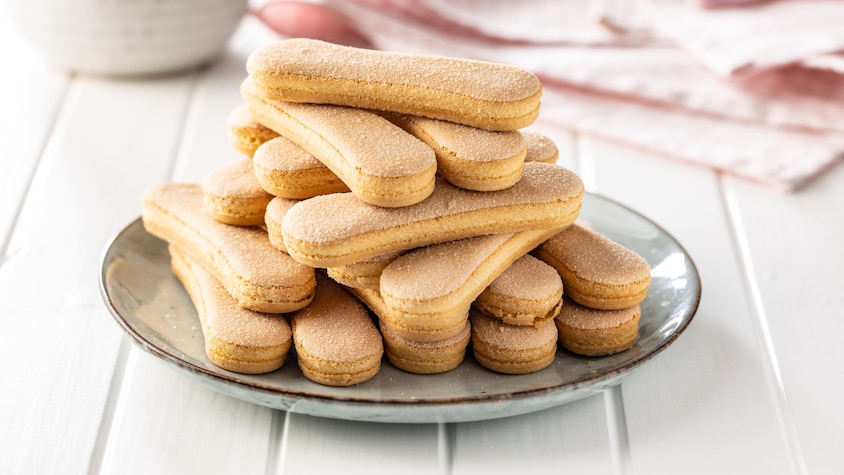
[{"x": 378, "y": 212}]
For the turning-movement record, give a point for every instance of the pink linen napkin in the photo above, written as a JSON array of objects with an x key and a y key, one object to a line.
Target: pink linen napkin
[
  {"x": 782, "y": 128},
  {"x": 744, "y": 41}
]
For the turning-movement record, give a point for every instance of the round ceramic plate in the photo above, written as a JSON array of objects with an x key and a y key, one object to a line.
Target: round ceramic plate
[{"x": 156, "y": 313}]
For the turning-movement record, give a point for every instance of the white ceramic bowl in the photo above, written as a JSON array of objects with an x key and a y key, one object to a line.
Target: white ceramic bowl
[{"x": 127, "y": 37}]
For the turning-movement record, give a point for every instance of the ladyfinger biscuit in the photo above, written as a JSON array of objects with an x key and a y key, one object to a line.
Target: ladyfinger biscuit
[
  {"x": 286, "y": 170},
  {"x": 236, "y": 339},
  {"x": 539, "y": 147},
  {"x": 597, "y": 272},
  {"x": 593, "y": 332},
  {"x": 338, "y": 229},
  {"x": 469, "y": 157},
  {"x": 512, "y": 349},
  {"x": 407, "y": 326},
  {"x": 425, "y": 357},
  {"x": 255, "y": 273},
  {"x": 365, "y": 274},
  {"x": 416, "y": 288},
  {"x": 245, "y": 134},
  {"x": 278, "y": 207},
  {"x": 382, "y": 164},
  {"x": 529, "y": 292},
  {"x": 480, "y": 94},
  {"x": 337, "y": 343},
  {"x": 232, "y": 194}
]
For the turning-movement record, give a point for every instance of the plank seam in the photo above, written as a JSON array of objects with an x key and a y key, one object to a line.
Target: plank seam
[
  {"x": 277, "y": 444},
  {"x": 51, "y": 124},
  {"x": 617, "y": 429},
  {"x": 759, "y": 324},
  {"x": 446, "y": 433},
  {"x": 118, "y": 376}
]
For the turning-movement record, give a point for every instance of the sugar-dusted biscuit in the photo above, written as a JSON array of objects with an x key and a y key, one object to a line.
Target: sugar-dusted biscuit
[
  {"x": 232, "y": 194},
  {"x": 480, "y": 94},
  {"x": 596, "y": 271},
  {"x": 278, "y": 207},
  {"x": 338, "y": 229},
  {"x": 245, "y": 134},
  {"x": 425, "y": 357},
  {"x": 236, "y": 339},
  {"x": 529, "y": 292},
  {"x": 539, "y": 147},
  {"x": 365, "y": 274},
  {"x": 286, "y": 170},
  {"x": 258, "y": 275},
  {"x": 417, "y": 288},
  {"x": 407, "y": 326},
  {"x": 591, "y": 332},
  {"x": 381, "y": 163},
  {"x": 469, "y": 157},
  {"x": 337, "y": 343},
  {"x": 512, "y": 349}
]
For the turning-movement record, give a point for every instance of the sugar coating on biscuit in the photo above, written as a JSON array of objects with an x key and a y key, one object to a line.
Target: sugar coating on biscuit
[
  {"x": 235, "y": 179},
  {"x": 340, "y": 217},
  {"x": 244, "y": 132},
  {"x": 419, "y": 273},
  {"x": 594, "y": 257},
  {"x": 594, "y": 332},
  {"x": 282, "y": 154},
  {"x": 585, "y": 318},
  {"x": 528, "y": 278},
  {"x": 311, "y": 58},
  {"x": 242, "y": 258},
  {"x": 287, "y": 170},
  {"x": 335, "y": 327},
  {"x": 236, "y": 339},
  {"x": 511, "y": 337},
  {"x": 539, "y": 147}
]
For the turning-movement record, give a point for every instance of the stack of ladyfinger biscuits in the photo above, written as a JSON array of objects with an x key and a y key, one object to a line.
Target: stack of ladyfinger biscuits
[{"x": 400, "y": 186}]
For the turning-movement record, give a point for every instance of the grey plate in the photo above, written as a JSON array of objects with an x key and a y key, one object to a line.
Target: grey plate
[{"x": 153, "y": 309}]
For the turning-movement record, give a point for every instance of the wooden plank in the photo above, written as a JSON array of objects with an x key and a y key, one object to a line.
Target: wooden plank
[
  {"x": 792, "y": 247},
  {"x": 64, "y": 339},
  {"x": 167, "y": 423},
  {"x": 235, "y": 436},
  {"x": 705, "y": 404},
  {"x": 31, "y": 98},
  {"x": 319, "y": 445},
  {"x": 572, "y": 437}
]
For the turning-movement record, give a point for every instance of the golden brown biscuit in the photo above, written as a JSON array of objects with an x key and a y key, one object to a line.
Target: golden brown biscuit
[
  {"x": 382, "y": 164},
  {"x": 258, "y": 275},
  {"x": 480, "y": 94},
  {"x": 365, "y": 274},
  {"x": 232, "y": 194},
  {"x": 592, "y": 332},
  {"x": 596, "y": 271},
  {"x": 417, "y": 288},
  {"x": 245, "y": 134},
  {"x": 277, "y": 208},
  {"x": 286, "y": 170},
  {"x": 411, "y": 327},
  {"x": 469, "y": 157},
  {"x": 529, "y": 292},
  {"x": 337, "y": 343},
  {"x": 338, "y": 229},
  {"x": 512, "y": 349},
  {"x": 539, "y": 147},
  {"x": 425, "y": 357},
  {"x": 236, "y": 339}
]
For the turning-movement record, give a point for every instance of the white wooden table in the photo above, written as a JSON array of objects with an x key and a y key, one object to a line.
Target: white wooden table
[{"x": 752, "y": 387}]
